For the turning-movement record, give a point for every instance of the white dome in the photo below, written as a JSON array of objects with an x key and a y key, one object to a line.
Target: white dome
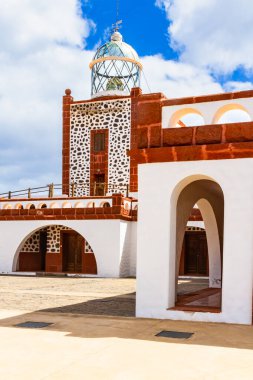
[
  {"x": 116, "y": 48},
  {"x": 115, "y": 67}
]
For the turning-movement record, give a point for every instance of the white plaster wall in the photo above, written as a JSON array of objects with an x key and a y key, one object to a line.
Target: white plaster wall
[
  {"x": 104, "y": 236},
  {"x": 128, "y": 243},
  {"x": 207, "y": 109},
  {"x": 159, "y": 187}
]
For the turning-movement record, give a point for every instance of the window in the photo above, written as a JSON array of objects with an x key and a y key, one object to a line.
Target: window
[{"x": 99, "y": 142}]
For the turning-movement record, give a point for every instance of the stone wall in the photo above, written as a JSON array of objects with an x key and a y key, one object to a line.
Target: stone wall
[{"x": 112, "y": 115}]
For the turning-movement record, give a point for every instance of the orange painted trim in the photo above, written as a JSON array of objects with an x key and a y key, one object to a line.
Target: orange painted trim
[
  {"x": 208, "y": 98},
  {"x": 115, "y": 58},
  {"x": 193, "y": 153},
  {"x": 114, "y": 212}
]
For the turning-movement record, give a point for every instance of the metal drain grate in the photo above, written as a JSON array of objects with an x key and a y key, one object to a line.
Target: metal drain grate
[
  {"x": 175, "y": 334},
  {"x": 33, "y": 325}
]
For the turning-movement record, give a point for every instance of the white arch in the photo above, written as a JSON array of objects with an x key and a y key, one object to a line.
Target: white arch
[
  {"x": 18, "y": 206},
  {"x": 102, "y": 204},
  {"x": 28, "y": 206},
  {"x": 18, "y": 250},
  {"x": 79, "y": 205},
  {"x": 180, "y": 213},
  {"x": 8, "y": 206},
  {"x": 179, "y": 114},
  {"x": 226, "y": 108},
  {"x": 213, "y": 242},
  {"x": 66, "y": 205},
  {"x": 54, "y": 205},
  {"x": 42, "y": 204},
  {"x": 91, "y": 204}
]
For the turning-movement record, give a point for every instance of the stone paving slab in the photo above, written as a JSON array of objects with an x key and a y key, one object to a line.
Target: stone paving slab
[
  {"x": 94, "y": 335},
  {"x": 110, "y": 348}
]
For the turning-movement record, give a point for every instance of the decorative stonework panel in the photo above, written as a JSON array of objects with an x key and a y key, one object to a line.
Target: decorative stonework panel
[
  {"x": 114, "y": 115},
  {"x": 87, "y": 248},
  {"x": 32, "y": 244},
  {"x": 54, "y": 237}
]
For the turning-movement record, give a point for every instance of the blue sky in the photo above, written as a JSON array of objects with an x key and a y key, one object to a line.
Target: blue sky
[
  {"x": 187, "y": 47},
  {"x": 144, "y": 25}
]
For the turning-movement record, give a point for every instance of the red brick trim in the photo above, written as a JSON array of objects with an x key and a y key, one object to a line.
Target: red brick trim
[
  {"x": 146, "y": 112},
  {"x": 67, "y": 101},
  {"x": 206, "y": 134},
  {"x": 114, "y": 212},
  {"x": 208, "y": 98},
  {"x": 193, "y": 153}
]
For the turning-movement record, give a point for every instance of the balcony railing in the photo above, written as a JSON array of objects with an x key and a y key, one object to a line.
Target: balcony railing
[{"x": 52, "y": 190}]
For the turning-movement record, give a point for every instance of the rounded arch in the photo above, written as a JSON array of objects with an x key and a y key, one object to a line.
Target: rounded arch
[
  {"x": 184, "y": 112},
  {"x": 19, "y": 206},
  {"x": 66, "y": 205},
  {"x": 86, "y": 260},
  {"x": 91, "y": 204},
  {"x": 54, "y": 205},
  {"x": 8, "y": 206},
  {"x": 30, "y": 206},
  {"x": 242, "y": 114},
  {"x": 104, "y": 204},
  {"x": 42, "y": 205},
  {"x": 208, "y": 195},
  {"x": 79, "y": 205}
]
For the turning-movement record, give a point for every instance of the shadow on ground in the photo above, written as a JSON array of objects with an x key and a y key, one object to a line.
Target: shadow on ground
[
  {"x": 117, "y": 306},
  {"x": 112, "y": 317}
]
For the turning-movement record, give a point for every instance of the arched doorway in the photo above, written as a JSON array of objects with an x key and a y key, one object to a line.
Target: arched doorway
[
  {"x": 56, "y": 248},
  {"x": 205, "y": 256},
  {"x": 194, "y": 256}
]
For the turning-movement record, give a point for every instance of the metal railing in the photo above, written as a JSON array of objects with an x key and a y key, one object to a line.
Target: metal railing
[{"x": 76, "y": 190}]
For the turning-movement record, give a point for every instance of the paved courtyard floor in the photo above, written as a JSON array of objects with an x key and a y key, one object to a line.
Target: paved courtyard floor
[{"x": 93, "y": 335}]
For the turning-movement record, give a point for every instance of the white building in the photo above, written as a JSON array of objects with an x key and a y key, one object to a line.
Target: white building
[{"x": 125, "y": 151}]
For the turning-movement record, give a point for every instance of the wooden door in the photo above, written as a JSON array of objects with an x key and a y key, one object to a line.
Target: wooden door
[
  {"x": 99, "y": 184},
  {"x": 72, "y": 249},
  {"x": 196, "y": 253}
]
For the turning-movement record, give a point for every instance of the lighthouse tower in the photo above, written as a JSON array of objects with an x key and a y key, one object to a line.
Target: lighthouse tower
[
  {"x": 97, "y": 132},
  {"x": 115, "y": 68}
]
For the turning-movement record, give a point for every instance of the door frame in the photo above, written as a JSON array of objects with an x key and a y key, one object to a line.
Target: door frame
[
  {"x": 61, "y": 246},
  {"x": 184, "y": 253}
]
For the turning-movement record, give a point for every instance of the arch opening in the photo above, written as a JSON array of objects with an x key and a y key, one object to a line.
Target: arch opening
[
  {"x": 198, "y": 250},
  {"x": 55, "y": 248},
  {"x": 186, "y": 117},
  {"x": 231, "y": 113}
]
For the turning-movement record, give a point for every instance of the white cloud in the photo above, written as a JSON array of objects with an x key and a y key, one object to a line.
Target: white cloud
[
  {"x": 212, "y": 33},
  {"x": 41, "y": 55},
  {"x": 176, "y": 79}
]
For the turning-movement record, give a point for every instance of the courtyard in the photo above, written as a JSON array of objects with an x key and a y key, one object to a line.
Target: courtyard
[{"x": 92, "y": 334}]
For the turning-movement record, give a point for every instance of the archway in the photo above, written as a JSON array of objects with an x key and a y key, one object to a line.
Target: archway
[
  {"x": 208, "y": 196},
  {"x": 231, "y": 113},
  {"x": 194, "y": 255},
  {"x": 55, "y": 248},
  {"x": 186, "y": 117}
]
